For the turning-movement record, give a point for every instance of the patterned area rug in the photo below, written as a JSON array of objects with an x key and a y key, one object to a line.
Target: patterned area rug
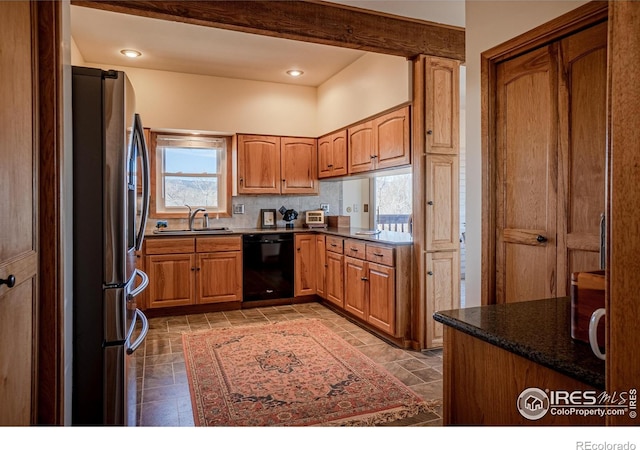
[{"x": 295, "y": 373}]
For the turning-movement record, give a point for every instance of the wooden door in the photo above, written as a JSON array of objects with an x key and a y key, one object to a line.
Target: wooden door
[
  {"x": 583, "y": 143},
  {"x": 325, "y": 157},
  {"x": 361, "y": 148},
  {"x": 298, "y": 163},
  {"x": 321, "y": 266},
  {"x": 391, "y": 139},
  {"x": 335, "y": 279},
  {"x": 442, "y": 219},
  {"x": 18, "y": 219},
  {"x": 355, "y": 286},
  {"x": 258, "y": 164},
  {"x": 381, "y": 311},
  {"x": 304, "y": 271},
  {"x": 526, "y": 171},
  {"x": 219, "y": 277},
  {"x": 171, "y": 280},
  {"x": 443, "y": 291}
]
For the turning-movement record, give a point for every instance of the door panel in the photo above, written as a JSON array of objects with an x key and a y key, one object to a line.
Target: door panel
[
  {"x": 381, "y": 312},
  {"x": 526, "y": 155},
  {"x": 443, "y": 228},
  {"x": 321, "y": 266},
  {"x": 335, "y": 278},
  {"x": 258, "y": 164},
  {"x": 442, "y": 116},
  {"x": 305, "y": 259},
  {"x": 171, "y": 280},
  {"x": 582, "y": 99},
  {"x": 298, "y": 166},
  {"x": 392, "y": 139},
  {"x": 443, "y": 291},
  {"x": 18, "y": 220},
  {"x": 361, "y": 148},
  {"x": 219, "y": 277},
  {"x": 355, "y": 287}
]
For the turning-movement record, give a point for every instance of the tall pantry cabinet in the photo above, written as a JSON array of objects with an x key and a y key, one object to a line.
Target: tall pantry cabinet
[
  {"x": 550, "y": 141},
  {"x": 436, "y": 165}
]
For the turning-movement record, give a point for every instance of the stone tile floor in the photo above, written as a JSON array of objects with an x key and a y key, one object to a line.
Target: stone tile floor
[{"x": 162, "y": 380}]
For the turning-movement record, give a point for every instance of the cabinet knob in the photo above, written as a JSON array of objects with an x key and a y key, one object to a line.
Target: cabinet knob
[
  {"x": 329, "y": 165},
  {"x": 241, "y": 180},
  {"x": 283, "y": 180},
  {"x": 541, "y": 238},
  {"x": 429, "y": 273},
  {"x": 364, "y": 279},
  {"x": 429, "y": 131},
  {"x": 10, "y": 281},
  {"x": 430, "y": 203}
]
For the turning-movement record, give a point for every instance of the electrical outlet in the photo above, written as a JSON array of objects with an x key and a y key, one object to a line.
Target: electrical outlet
[
  {"x": 324, "y": 207},
  {"x": 238, "y": 209}
]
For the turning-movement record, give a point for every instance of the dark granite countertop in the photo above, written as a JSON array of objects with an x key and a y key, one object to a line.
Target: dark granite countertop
[
  {"x": 384, "y": 237},
  {"x": 538, "y": 330}
]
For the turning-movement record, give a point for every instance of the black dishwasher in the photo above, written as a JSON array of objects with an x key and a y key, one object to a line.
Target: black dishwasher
[{"x": 267, "y": 264}]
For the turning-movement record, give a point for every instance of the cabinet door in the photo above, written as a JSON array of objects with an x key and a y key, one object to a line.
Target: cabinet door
[
  {"x": 219, "y": 277},
  {"x": 361, "y": 148},
  {"x": 443, "y": 108},
  {"x": 332, "y": 155},
  {"x": 443, "y": 291},
  {"x": 298, "y": 165},
  {"x": 258, "y": 164},
  {"x": 321, "y": 266},
  {"x": 526, "y": 177},
  {"x": 381, "y": 308},
  {"x": 335, "y": 279},
  {"x": 443, "y": 228},
  {"x": 305, "y": 258},
  {"x": 171, "y": 280},
  {"x": 583, "y": 144},
  {"x": 356, "y": 287},
  {"x": 391, "y": 141}
]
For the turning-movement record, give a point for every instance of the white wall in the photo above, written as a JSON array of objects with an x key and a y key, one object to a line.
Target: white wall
[
  {"x": 489, "y": 23},
  {"x": 355, "y": 194},
  {"x": 373, "y": 83}
]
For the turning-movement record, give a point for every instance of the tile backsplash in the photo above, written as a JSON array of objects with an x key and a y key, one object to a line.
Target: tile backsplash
[{"x": 329, "y": 192}]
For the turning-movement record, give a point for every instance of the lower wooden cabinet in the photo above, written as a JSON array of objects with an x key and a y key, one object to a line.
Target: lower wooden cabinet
[
  {"x": 189, "y": 271},
  {"x": 305, "y": 264},
  {"x": 335, "y": 278},
  {"x": 321, "y": 266},
  {"x": 370, "y": 293},
  {"x": 443, "y": 291}
]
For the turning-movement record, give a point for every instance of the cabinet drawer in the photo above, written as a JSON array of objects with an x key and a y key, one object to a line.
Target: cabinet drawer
[
  {"x": 355, "y": 249},
  {"x": 334, "y": 244},
  {"x": 164, "y": 246},
  {"x": 381, "y": 255},
  {"x": 218, "y": 244}
]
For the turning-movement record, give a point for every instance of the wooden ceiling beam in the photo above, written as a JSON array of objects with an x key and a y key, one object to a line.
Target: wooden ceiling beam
[{"x": 309, "y": 21}]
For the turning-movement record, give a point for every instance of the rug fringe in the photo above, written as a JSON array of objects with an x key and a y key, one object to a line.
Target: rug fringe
[{"x": 382, "y": 417}]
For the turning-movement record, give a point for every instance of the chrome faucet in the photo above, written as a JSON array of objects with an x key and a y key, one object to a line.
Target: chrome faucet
[{"x": 192, "y": 215}]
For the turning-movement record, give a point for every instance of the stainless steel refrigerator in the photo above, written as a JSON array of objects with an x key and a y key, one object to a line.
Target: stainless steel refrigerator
[{"x": 110, "y": 204}]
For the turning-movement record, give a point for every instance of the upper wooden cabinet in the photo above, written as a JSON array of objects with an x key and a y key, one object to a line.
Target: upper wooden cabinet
[
  {"x": 332, "y": 154},
  {"x": 277, "y": 165},
  {"x": 380, "y": 143},
  {"x": 298, "y": 166},
  {"x": 442, "y": 117}
]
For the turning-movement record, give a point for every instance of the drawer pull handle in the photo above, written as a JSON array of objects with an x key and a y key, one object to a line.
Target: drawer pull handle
[
  {"x": 364, "y": 279},
  {"x": 334, "y": 245},
  {"x": 378, "y": 254},
  {"x": 354, "y": 249}
]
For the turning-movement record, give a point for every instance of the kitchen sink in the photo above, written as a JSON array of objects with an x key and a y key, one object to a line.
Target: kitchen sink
[{"x": 215, "y": 230}]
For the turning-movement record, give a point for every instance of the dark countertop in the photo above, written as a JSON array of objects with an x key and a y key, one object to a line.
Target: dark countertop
[
  {"x": 384, "y": 237},
  {"x": 538, "y": 330}
]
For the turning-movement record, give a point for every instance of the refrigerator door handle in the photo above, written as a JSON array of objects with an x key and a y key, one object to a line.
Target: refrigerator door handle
[
  {"x": 143, "y": 333},
  {"x": 146, "y": 184},
  {"x": 142, "y": 286}
]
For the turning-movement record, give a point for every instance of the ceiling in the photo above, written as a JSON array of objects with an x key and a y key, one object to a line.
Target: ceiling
[{"x": 178, "y": 47}]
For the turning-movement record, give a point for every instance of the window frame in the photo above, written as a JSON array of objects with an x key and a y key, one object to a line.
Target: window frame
[{"x": 153, "y": 168}]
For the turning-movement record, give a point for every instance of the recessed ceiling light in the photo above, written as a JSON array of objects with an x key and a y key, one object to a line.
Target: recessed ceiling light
[
  {"x": 130, "y": 53},
  {"x": 294, "y": 72}
]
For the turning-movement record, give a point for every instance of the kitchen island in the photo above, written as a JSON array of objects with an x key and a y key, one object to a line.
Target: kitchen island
[{"x": 492, "y": 354}]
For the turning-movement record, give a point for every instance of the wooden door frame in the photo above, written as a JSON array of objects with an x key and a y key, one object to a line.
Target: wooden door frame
[
  {"x": 571, "y": 22},
  {"x": 349, "y": 27}
]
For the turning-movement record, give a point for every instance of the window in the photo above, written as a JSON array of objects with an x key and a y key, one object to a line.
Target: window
[
  {"x": 192, "y": 170},
  {"x": 393, "y": 202}
]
